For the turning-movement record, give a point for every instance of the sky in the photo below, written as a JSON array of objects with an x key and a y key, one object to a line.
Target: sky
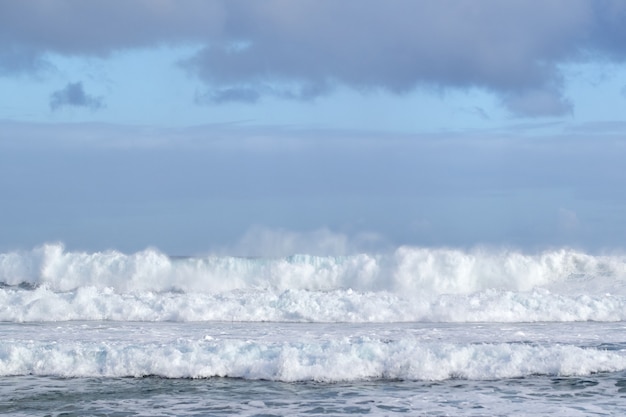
[{"x": 328, "y": 127}]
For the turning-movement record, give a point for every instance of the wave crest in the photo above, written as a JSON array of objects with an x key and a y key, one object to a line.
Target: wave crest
[
  {"x": 409, "y": 284},
  {"x": 407, "y": 270}
]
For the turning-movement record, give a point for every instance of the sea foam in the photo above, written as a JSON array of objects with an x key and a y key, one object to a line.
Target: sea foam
[
  {"x": 407, "y": 269},
  {"x": 330, "y": 361},
  {"x": 408, "y": 284}
]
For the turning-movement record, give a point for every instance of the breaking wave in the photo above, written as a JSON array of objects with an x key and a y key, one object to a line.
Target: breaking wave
[
  {"x": 408, "y": 284},
  {"x": 328, "y": 361}
]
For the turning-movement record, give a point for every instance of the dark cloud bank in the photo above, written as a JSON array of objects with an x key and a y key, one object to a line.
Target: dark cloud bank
[{"x": 303, "y": 49}]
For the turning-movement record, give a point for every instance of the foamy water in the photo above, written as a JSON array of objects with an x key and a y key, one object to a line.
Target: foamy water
[
  {"x": 412, "y": 331},
  {"x": 409, "y": 284},
  {"x": 410, "y": 270},
  {"x": 305, "y": 352}
]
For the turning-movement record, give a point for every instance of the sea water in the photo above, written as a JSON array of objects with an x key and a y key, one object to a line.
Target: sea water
[{"x": 415, "y": 331}]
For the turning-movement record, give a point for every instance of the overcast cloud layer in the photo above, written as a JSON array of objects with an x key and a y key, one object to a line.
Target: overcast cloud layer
[{"x": 303, "y": 49}]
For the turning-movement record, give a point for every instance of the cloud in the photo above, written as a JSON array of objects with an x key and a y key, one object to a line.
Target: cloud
[
  {"x": 229, "y": 95},
  {"x": 20, "y": 60},
  {"x": 302, "y": 49},
  {"x": 73, "y": 95},
  {"x": 538, "y": 103},
  {"x": 252, "y": 94},
  {"x": 511, "y": 48},
  {"x": 475, "y": 111}
]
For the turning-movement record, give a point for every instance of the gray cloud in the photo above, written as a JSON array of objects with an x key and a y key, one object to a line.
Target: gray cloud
[
  {"x": 252, "y": 94},
  {"x": 74, "y": 95},
  {"x": 20, "y": 60},
  {"x": 538, "y": 103},
  {"x": 300, "y": 49},
  {"x": 229, "y": 95}
]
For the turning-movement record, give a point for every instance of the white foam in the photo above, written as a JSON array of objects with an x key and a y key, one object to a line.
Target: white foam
[
  {"x": 92, "y": 303},
  {"x": 346, "y": 359},
  {"x": 405, "y": 270},
  {"x": 409, "y": 284}
]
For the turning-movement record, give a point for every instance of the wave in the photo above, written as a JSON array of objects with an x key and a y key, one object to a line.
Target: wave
[
  {"x": 91, "y": 303},
  {"x": 405, "y": 270},
  {"x": 363, "y": 358},
  {"x": 408, "y": 284}
]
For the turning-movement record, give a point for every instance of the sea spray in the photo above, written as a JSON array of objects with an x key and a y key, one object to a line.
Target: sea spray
[
  {"x": 406, "y": 270},
  {"x": 408, "y": 284}
]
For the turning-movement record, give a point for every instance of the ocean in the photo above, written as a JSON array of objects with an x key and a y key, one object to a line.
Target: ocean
[{"x": 412, "y": 331}]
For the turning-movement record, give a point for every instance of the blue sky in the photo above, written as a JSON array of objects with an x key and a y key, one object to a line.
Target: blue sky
[{"x": 280, "y": 126}]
